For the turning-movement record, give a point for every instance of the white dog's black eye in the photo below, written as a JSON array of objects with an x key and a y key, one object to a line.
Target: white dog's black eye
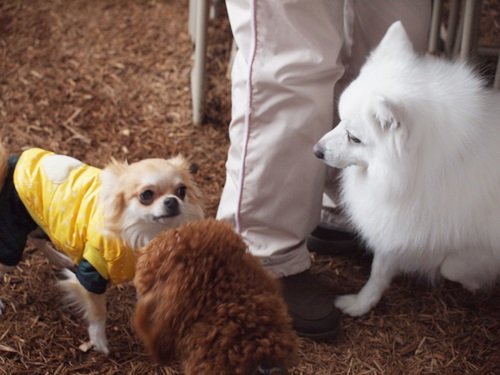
[
  {"x": 352, "y": 138},
  {"x": 147, "y": 197},
  {"x": 181, "y": 191}
]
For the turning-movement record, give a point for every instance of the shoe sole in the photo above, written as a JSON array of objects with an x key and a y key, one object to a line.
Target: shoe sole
[{"x": 323, "y": 336}]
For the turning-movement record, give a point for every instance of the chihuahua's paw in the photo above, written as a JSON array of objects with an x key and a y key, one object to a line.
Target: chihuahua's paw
[
  {"x": 98, "y": 347},
  {"x": 102, "y": 347},
  {"x": 98, "y": 340},
  {"x": 353, "y": 304}
]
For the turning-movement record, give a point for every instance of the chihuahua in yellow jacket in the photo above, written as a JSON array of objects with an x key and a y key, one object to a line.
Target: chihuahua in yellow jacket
[{"x": 96, "y": 220}]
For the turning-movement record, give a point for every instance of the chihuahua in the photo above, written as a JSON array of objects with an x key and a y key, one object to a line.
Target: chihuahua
[{"x": 96, "y": 219}]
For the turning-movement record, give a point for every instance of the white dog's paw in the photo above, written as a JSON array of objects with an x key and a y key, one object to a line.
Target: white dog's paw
[
  {"x": 461, "y": 270},
  {"x": 353, "y": 304},
  {"x": 471, "y": 285}
]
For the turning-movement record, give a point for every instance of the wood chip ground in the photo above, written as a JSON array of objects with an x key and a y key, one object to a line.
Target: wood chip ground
[{"x": 101, "y": 78}]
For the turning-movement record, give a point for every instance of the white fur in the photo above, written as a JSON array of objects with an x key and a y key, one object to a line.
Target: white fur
[
  {"x": 423, "y": 186},
  {"x": 92, "y": 306},
  {"x": 139, "y": 225},
  {"x": 134, "y": 223}
]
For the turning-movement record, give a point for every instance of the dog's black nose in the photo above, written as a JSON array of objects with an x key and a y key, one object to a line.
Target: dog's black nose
[
  {"x": 171, "y": 203},
  {"x": 318, "y": 151},
  {"x": 171, "y": 206}
]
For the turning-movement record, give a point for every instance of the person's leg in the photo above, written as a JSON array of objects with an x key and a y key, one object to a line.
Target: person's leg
[
  {"x": 366, "y": 24},
  {"x": 371, "y": 19},
  {"x": 283, "y": 82}
]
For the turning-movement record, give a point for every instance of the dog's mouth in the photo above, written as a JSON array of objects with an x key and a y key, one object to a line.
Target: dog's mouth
[{"x": 167, "y": 215}]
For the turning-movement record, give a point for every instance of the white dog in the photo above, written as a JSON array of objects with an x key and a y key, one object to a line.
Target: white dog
[{"x": 419, "y": 139}]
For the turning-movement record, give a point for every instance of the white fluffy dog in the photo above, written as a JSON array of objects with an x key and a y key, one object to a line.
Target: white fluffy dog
[{"x": 419, "y": 141}]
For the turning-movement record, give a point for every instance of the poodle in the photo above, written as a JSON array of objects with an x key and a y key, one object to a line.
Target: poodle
[{"x": 204, "y": 300}]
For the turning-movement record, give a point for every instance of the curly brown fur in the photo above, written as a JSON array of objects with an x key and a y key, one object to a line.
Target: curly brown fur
[
  {"x": 137, "y": 200},
  {"x": 204, "y": 300}
]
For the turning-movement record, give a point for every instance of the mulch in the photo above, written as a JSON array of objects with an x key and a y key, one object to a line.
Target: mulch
[{"x": 101, "y": 78}]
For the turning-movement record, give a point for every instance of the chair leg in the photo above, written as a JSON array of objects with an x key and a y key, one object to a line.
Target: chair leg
[
  {"x": 451, "y": 34},
  {"x": 435, "y": 23},
  {"x": 198, "y": 71},
  {"x": 192, "y": 20},
  {"x": 470, "y": 30}
]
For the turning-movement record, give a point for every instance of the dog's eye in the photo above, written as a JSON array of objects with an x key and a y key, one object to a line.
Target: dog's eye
[
  {"x": 147, "y": 196},
  {"x": 181, "y": 191},
  {"x": 352, "y": 138}
]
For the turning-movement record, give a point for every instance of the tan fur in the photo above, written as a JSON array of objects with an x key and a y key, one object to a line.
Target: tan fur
[
  {"x": 88, "y": 302},
  {"x": 126, "y": 179},
  {"x": 92, "y": 306},
  {"x": 120, "y": 187},
  {"x": 203, "y": 299},
  {"x": 113, "y": 198}
]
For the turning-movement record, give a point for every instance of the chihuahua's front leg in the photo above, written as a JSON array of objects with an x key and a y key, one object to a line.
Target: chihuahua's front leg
[
  {"x": 93, "y": 307},
  {"x": 96, "y": 319}
]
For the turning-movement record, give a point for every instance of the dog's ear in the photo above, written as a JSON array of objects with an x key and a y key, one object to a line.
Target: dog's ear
[
  {"x": 112, "y": 197},
  {"x": 389, "y": 117},
  {"x": 387, "y": 114},
  {"x": 180, "y": 162},
  {"x": 395, "y": 42}
]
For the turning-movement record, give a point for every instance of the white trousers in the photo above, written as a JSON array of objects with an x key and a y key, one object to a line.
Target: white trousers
[{"x": 293, "y": 58}]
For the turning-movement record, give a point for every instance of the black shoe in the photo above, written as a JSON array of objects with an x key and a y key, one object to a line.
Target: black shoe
[
  {"x": 311, "y": 306},
  {"x": 329, "y": 240}
]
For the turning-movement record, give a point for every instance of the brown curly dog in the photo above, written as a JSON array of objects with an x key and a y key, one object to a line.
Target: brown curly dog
[{"x": 204, "y": 300}]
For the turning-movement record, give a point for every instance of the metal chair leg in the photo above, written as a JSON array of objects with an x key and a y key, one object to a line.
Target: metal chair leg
[
  {"x": 435, "y": 24},
  {"x": 470, "y": 30},
  {"x": 451, "y": 35},
  {"x": 200, "y": 50}
]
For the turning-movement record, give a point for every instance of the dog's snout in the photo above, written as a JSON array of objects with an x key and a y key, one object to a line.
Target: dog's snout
[
  {"x": 318, "y": 151},
  {"x": 171, "y": 203},
  {"x": 171, "y": 208}
]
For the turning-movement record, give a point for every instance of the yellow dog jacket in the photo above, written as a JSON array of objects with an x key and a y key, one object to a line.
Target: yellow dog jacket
[{"x": 62, "y": 196}]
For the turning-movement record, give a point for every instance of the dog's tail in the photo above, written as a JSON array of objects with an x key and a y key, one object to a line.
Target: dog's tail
[{"x": 4, "y": 158}]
